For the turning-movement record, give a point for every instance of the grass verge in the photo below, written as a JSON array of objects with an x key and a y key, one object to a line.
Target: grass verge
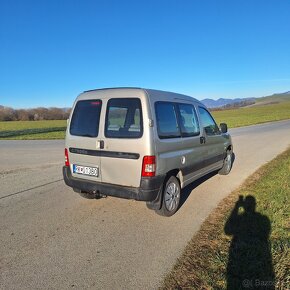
[{"x": 238, "y": 248}]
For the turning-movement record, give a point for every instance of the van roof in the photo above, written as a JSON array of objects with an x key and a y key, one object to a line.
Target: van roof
[
  {"x": 150, "y": 92},
  {"x": 114, "y": 88}
]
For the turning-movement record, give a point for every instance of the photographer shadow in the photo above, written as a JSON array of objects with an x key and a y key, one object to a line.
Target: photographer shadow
[{"x": 250, "y": 260}]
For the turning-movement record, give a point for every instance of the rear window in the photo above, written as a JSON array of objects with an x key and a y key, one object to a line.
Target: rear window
[
  {"x": 124, "y": 118},
  {"x": 85, "y": 119}
]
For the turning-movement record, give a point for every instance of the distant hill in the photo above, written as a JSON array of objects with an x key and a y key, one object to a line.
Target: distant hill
[
  {"x": 267, "y": 100},
  {"x": 275, "y": 98},
  {"x": 223, "y": 102}
]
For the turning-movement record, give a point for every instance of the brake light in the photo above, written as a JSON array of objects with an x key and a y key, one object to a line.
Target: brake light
[
  {"x": 66, "y": 157},
  {"x": 148, "y": 166},
  {"x": 95, "y": 103}
]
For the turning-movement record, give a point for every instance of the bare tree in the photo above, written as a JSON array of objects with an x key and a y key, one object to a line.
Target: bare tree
[{"x": 35, "y": 114}]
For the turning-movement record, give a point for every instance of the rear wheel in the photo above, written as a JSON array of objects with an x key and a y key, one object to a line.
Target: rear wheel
[
  {"x": 228, "y": 162},
  {"x": 171, "y": 197}
]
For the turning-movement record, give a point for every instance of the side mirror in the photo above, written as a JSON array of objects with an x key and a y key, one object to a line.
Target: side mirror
[{"x": 224, "y": 127}]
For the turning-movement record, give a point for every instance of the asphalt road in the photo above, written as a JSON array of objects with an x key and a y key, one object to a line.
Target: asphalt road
[{"x": 50, "y": 238}]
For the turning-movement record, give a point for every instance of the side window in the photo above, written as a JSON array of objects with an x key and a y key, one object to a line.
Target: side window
[
  {"x": 188, "y": 120},
  {"x": 124, "y": 118},
  {"x": 167, "y": 125},
  {"x": 208, "y": 122}
]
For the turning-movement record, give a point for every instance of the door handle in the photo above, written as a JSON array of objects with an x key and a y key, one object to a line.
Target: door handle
[
  {"x": 202, "y": 140},
  {"x": 100, "y": 144}
]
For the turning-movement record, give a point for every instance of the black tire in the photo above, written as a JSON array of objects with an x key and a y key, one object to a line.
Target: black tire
[
  {"x": 228, "y": 163},
  {"x": 170, "y": 197}
]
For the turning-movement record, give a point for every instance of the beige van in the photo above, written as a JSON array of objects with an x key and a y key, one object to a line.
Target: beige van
[{"x": 142, "y": 144}]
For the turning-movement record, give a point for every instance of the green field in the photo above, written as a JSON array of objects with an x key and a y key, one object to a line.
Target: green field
[
  {"x": 237, "y": 248},
  {"x": 274, "y": 98},
  {"x": 22, "y": 125},
  {"x": 253, "y": 115},
  {"x": 37, "y": 136},
  {"x": 54, "y": 129}
]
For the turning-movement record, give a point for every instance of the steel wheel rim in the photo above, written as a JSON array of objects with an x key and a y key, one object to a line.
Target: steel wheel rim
[
  {"x": 228, "y": 162},
  {"x": 172, "y": 196}
]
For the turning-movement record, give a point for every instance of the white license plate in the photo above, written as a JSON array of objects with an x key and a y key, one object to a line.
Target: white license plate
[{"x": 85, "y": 170}]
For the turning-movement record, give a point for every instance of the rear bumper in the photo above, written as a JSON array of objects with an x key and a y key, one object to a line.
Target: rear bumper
[{"x": 148, "y": 191}]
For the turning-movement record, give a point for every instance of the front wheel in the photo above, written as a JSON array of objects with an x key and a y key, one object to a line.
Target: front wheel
[
  {"x": 228, "y": 162},
  {"x": 170, "y": 198}
]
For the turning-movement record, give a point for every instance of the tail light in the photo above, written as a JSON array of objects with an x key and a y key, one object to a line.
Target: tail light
[
  {"x": 148, "y": 166},
  {"x": 66, "y": 157}
]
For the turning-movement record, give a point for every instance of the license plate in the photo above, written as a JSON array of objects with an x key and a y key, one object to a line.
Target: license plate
[{"x": 85, "y": 170}]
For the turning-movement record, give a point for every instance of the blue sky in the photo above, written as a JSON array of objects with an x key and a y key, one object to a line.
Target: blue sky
[{"x": 52, "y": 50}]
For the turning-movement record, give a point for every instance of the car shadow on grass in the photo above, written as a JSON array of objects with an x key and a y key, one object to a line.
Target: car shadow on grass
[{"x": 250, "y": 261}]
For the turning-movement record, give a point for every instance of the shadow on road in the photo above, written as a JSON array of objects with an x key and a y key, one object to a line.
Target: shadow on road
[
  {"x": 189, "y": 188},
  {"x": 186, "y": 191},
  {"x": 250, "y": 261},
  {"x": 233, "y": 159}
]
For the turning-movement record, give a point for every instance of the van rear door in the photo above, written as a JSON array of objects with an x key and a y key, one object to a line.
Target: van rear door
[
  {"x": 123, "y": 141},
  {"x": 82, "y": 140}
]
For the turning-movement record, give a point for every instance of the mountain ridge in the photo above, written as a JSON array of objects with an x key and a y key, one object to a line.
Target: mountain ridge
[{"x": 221, "y": 102}]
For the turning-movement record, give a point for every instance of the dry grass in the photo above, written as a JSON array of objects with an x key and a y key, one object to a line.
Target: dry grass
[{"x": 207, "y": 262}]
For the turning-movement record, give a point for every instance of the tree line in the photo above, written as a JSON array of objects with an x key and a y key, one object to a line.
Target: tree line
[
  {"x": 36, "y": 114},
  {"x": 234, "y": 105}
]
